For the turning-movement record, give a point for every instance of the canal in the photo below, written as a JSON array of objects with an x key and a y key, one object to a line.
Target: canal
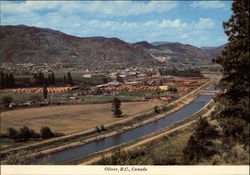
[{"x": 102, "y": 144}]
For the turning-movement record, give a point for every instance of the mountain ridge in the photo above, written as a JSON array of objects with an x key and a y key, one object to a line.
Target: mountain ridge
[{"x": 33, "y": 44}]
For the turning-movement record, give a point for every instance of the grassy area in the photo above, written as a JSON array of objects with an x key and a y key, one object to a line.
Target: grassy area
[
  {"x": 105, "y": 99},
  {"x": 17, "y": 98},
  {"x": 72, "y": 118}
]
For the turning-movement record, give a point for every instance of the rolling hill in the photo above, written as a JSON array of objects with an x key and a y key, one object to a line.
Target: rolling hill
[
  {"x": 182, "y": 53},
  {"x": 21, "y": 44},
  {"x": 214, "y": 51}
]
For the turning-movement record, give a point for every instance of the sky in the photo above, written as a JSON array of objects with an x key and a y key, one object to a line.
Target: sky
[{"x": 190, "y": 22}]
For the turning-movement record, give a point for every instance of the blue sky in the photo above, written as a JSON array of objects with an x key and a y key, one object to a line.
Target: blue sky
[{"x": 191, "y": 22}]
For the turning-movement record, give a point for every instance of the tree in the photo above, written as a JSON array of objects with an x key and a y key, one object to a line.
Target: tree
[
  {"x": 70, "y": 80},
  {"x": 7, "y": 81},
  {"x": 46, "y": 132},
  {"x": 204, "y": 130},
  {"x": 157, "y": 109},
  {"x": 116, "y": 103},
  {"x": 40, "y": 78},
  {"x": 2, "y": 79},
  {"x": 11, "y": 80},
  {"x": 25, "y": 133},
  {"x": 234, "y": 86},
  {"x": 45, "y": 92},
  {"x": 118, "y": 78},
  {"x": 65, "y": 79},
  {"x": 53, "y": 80},
  {"x": 97, "y": 91},
  {"x": 49, "y": 79},
  {"x": 200, "y": 145},
  {"x": 12, "y": 133}
]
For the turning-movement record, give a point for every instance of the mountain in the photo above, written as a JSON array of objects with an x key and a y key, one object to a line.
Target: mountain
[
  {"x": 178, "y": 52},
  {"x": 145, "y": 45},
  {"x": 22, "y": 44},
  {"x": 214, "y": 51},
  {"x": 160, "y": 43}
]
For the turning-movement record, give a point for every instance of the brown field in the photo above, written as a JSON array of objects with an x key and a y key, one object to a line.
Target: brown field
[{"x": 71, "y": 118}]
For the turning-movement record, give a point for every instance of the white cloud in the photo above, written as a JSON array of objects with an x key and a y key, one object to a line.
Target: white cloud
[
  {"x": 107, "y": 8},
  {"x": 208, "y": 4},
  {"x": 205, "y": 23},
  {"x": 86, "y": 19},
  {"x": 172, "y": 24}
]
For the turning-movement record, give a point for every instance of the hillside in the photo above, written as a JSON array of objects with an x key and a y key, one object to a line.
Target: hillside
[
  {"x": 178, "y": 52},
  {"x": 20, "y": 44},
  {"x": 145, "y": 45},
  {"x": 160, "y": 43},
  {"x": 214, "y": 51}
]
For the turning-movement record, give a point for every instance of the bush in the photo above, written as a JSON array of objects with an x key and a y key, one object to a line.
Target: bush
[
  {"x": 25, "y": 133},
  {"x": 103, "y": 128},
  {"x": 46, "y": 132},
  {"x": 157, "y": 109},
  {"x": 98, "y": 129},
  {"x": 7, "y": 100},
  {"x": 164, "y": 108},
  {"x": 12, "y": 133}
]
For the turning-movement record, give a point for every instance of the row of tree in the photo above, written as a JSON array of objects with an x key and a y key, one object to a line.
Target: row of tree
[
  {"x": 7, "y": 80},
  {"x": 180, "y": 73},
  {"x": 25, "y": 133},
  {"x": 42, "y": 80}
]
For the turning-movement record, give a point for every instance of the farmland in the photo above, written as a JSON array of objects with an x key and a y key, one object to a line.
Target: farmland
[{"x": 71, "y": 118}]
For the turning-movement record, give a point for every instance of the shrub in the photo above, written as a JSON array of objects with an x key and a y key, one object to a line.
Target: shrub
[
  {"x": 25, "y": 133},
  {"x": 98, "y": 129},
  {"x": 157, "y": 109},
  {"x": 7, "y": 100},
  {"x": 12, "y": 133},
  {"x": 116, "y": 103},
  {"x": 164, "y": 108},
  {"x": 46, "y": 132},
  {"x": 103, "y": 128}
]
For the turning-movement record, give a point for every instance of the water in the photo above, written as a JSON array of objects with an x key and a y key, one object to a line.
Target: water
[{"x": 87, "y": 149}]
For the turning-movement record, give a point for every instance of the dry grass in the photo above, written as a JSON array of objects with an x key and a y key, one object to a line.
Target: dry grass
[{"x": 71, "y": 118}]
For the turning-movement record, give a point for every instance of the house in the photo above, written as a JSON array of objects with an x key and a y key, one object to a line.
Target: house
[
  {"x": 164, "y": 88},
  {"x": 154, "y": 98},
  {"x": 87, "y": 76}
]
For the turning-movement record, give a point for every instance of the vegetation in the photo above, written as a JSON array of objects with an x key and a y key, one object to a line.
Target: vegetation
[
  {"x": 46, "y": 132},
  {"x": 69, "y": 78},
  {"x": 25, "y": 134},
  {"x": 180, "y": 73},
  {"x": 6, "y": 100},
  {"x": 6, "y": 80},
  {"x": 121, "y": 157},
  {"x": 200, "y": 145},
  {"x": 35, "y": 97},
  {"x": 118, "y": 78},
  {"x": 157, "y": 109},
  {"x": 45, "y": 92},
  {"x": 116, "y": 103},
  {"x": 234, "y": 97}
]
